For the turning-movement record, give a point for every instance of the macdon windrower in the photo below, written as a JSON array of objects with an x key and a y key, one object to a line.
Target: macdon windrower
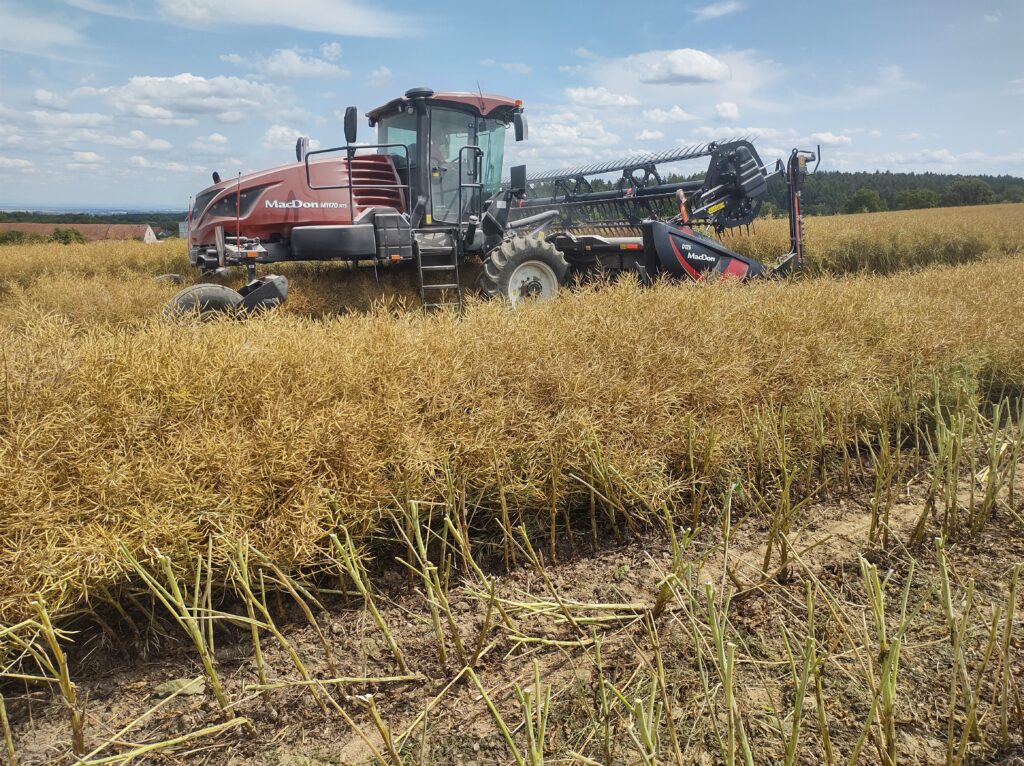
[{"x": 431, "y": 192}]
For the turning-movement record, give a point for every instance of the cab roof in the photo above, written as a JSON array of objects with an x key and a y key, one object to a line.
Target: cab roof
[{"x": 484, "y": 104}]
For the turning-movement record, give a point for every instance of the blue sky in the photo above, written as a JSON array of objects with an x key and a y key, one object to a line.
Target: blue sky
[{"x": 134, "y": 103}]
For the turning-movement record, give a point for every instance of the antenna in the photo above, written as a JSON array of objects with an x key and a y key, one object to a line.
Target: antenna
[{"x": 480, "y": 91}]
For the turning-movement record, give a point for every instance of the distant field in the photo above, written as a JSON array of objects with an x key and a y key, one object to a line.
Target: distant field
[{"x": 707, "y": 513}]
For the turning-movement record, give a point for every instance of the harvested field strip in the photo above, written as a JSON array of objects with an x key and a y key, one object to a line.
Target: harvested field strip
[
  {"x": 676, "y": 649},
  {"x": 635, "y": 401}
]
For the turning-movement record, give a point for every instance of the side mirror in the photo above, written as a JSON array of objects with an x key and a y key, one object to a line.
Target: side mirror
[
  {"x": 519, "y": 120},
  {"x": 518, "y": 179},
  {"x": 301, "y": 148},
  {"x": 350, "y": 125}
]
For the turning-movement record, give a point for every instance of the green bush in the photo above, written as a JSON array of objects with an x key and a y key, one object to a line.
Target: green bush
[
  {"x": 16, "y": 237},
  {"x": 915, "y": 199},
  {"x": 865, "y": 200},
  {"x": 967, "y": 191},
  {"x": 67, "y": 237}
]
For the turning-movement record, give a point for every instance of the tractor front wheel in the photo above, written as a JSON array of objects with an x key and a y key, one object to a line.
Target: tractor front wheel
[
  {"x": 204, "y": 301},
  {"x": 523, "y": 268}
]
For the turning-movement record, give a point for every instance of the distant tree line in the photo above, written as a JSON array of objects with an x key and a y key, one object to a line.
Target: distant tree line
[{"x": 831, "y": 192}]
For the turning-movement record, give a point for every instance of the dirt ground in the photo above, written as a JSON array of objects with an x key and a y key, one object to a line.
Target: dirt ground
[{"x": 120, "y": 675}]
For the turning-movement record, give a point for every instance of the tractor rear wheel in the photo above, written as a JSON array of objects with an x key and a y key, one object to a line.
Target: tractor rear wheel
[
  {"x": 206, "y": 301},
  {"x": 523, "y": 268}
]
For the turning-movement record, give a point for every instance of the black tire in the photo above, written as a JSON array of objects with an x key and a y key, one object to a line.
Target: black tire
[
  {"x": 522, "y": 268},
  {"x": 204, "y": 301}
]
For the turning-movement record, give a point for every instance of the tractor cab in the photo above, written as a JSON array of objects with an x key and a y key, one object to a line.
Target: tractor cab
[{"x": 448, "y": 150}]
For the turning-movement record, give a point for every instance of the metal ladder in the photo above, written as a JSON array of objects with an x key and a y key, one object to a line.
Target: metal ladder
[
  {"x": 439, "y": 275},
  {"x": 445, "y": 263}
]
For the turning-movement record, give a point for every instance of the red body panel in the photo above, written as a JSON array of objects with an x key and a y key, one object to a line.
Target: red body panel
[{"x": 288, "y": 201}]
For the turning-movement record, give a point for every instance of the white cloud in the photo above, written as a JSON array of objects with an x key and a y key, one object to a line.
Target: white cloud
[
  {"x": 830, "y": 139},
  {"x": 717, "y": 10},
  {"x": 728, "y": 110},
  {"x": 855, "y": 130},
  {"x": 650, "y": 135},
  {"x": 136, "y": 139},
  {"x": 289, "y": 63},
  {"x": 572, "y": 70},
  {"x": 683, "y": 66},
  {"x": 993, "y": 18},
  {"x": 184, "y": 97},
  {"x": 139, "y": 161},
  {"x": 211, "y": 144},
  {"x": 380, "y": 77},
  {"x": 749, "y": 80},
  {"x": 11, "y": 163},
  {"x": 10, "y": 136},
  {"x": 946, "y": 159},
  {"x": 674, "y": 114},
  {"x": 68, "y": 119},
  {"x": 728, "y": 132},
  {"x": 47, "y": 99},
  {"x": 563, "y": 139},
  {"x": 351, "y": 18},
  {"x": 284, "y": 137},
  {"x": 161, "y": 114},
  {"x": 71, "y": 129},
  {"x": 598, "y": 97},
  {"x": 22, "y": 33},
  {"x": 87, "y": 158},
  {"x": 330, "y": 51},
  {"x": 566, "y": 128},
  {"x": 583, "y": 53},
  {"x": 123, "y": 11}
]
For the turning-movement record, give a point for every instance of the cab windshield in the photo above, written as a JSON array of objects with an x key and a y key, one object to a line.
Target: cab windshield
[{"x": 450, "y": 131}]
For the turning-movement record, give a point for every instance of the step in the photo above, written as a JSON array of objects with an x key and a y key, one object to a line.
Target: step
[
  {"x": 440, "y": 287},
  {"x": 443, "y": 267}
]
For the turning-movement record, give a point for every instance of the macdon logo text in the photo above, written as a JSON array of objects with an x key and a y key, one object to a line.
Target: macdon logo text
[
  {"x": 277, "y": 204},
  {"x": 700, "y": 257}
]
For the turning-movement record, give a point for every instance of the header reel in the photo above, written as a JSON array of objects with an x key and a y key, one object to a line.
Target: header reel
[{"x": 730, "y": 194}]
